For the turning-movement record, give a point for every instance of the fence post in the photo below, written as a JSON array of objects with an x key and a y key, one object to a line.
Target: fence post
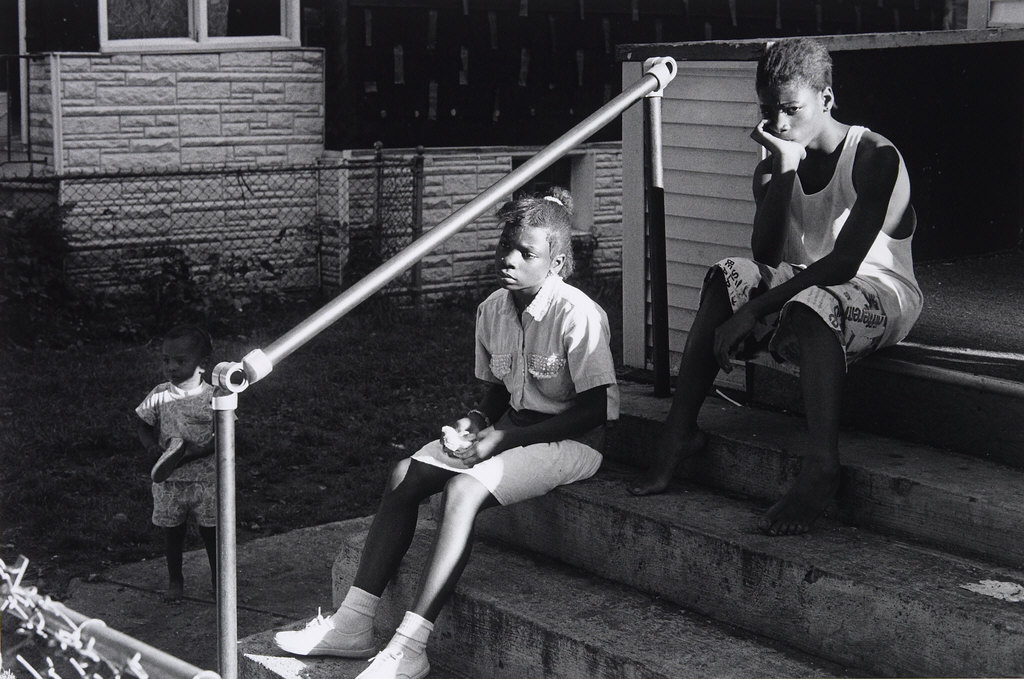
[
  {"x": 378, "y": 202},
  {"x": 417, "y": 221},
  {"x": 318, "y": 177}
]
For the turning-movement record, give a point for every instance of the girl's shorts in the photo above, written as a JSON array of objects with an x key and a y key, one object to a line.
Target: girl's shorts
[
  {"x": 174, "y": 501},
  {"x": 852, "y": 310},
  {"x": 525, "y": 472}
]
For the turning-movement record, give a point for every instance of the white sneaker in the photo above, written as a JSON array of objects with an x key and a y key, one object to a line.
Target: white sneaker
[
  {"x": 393, "y": 664},
  {"x": 319, "y": 637},
  {"x": 169, "y": 461}
]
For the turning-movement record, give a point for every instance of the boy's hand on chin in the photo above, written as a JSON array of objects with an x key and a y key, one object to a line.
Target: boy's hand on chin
[{"x": 788, "y": 152}]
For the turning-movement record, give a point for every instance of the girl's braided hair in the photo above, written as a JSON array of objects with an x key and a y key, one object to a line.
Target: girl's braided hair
[{"x": 552, "y": 212}]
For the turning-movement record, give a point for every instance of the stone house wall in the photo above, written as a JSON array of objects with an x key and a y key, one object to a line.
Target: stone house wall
[
  {"x": 453, "y": 177},
  {"x": 124, "y": 132},
  {"x": 179, "y": 110}
]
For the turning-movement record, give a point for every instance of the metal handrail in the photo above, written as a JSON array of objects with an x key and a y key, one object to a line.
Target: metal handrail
[
  {"x": 90, "y": 638},
  {"x": 231, "y": 378}
]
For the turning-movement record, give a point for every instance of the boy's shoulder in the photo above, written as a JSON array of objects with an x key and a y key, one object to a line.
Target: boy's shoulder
[
  {"x": 875, "y": 157},
  {"x": 874, "y": 146}
]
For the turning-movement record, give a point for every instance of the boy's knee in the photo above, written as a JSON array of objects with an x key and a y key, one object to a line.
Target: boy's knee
[{"x": 804, "y": 318}]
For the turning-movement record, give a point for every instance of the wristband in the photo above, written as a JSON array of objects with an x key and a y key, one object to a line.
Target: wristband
[{"x": 483, "y": 416}]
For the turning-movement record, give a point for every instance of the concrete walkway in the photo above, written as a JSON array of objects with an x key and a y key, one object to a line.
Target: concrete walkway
[{"x": 278, "y": 577}]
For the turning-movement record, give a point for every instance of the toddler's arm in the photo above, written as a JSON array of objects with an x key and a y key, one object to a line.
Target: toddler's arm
[{"x": 148, "y": 437}]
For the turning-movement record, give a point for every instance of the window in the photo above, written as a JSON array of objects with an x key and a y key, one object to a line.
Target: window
[{"x": 143, "y": 25}]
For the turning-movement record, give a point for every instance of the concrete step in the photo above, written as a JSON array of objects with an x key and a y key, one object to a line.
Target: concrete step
[
  {"x": 955, "y": 502},
  {"x": 516, "y": 615},
  {"x": 917, "y": 397},
  {"x": 854, "y": 597},
  {"x": 520, "y": 615}
]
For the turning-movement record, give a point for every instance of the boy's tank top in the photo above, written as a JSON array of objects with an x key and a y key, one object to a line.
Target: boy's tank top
[{"x": 814, "y": 221}]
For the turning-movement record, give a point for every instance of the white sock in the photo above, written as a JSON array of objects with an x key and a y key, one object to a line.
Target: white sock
[
  {"x": 357, "y": 611},
  {"x": 412, "y": 634}
]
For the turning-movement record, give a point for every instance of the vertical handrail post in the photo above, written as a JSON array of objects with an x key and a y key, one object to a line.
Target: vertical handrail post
[
  {"x": 225, "y": 403},
  {"x": 654, "y": 181}
]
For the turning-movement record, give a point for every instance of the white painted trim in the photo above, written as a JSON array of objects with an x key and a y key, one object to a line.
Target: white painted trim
[
  {"x": 977, "y": 13},
  {"x": 199, "y": 29},
  {"x": 1006, "y": 13},
  {"x": 23, "y": 72},
  {"x": 199, "y": 20},
  {"x": 634, "y": 252},
  {"x": 104, "y": 30},
  {"x": 58, "y": 117}
]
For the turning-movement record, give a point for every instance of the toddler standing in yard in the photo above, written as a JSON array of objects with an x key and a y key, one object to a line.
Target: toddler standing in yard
[
  {"x": 176, "y": 430},
  {"x": 831, "y": 279},
  {"x": 543, "y": 346}
]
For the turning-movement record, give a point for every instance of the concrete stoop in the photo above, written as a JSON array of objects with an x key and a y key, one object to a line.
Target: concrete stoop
[
  {"x": 857, "y": 598},
  {"x": 948, "y": 500},
  {"x": 902, "y": 394},
  {"x": 916, "y": 572},
  {"x": 518, "y": 615}
]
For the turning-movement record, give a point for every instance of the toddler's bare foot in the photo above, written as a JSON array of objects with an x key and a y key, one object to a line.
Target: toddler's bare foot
[
  {"x": 661, "y": 471},
  {"x": 804, "y": 502},
  {"x": 175, "y": 592}
]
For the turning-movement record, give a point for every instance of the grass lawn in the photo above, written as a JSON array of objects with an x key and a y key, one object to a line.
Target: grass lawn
[{"x": 314, "y": 439}]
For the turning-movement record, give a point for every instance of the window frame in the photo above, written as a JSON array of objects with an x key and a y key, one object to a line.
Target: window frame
[{"x": 199, "y": 38}]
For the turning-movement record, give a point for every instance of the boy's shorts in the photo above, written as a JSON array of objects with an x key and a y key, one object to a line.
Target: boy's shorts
[
  {"x": 525, "y": 472},
  {"x": 174, "y": 501},
  {"x": 852, "y": 310}
]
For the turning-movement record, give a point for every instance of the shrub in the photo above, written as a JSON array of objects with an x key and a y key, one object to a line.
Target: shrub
[{"x": 36, "y": 300}]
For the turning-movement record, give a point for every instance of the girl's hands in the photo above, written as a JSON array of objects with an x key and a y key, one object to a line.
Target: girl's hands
[
  {"x": 729, "y": 335},
  {"x": 786, "y": 154},
  {"x": 488, "y": 444}
]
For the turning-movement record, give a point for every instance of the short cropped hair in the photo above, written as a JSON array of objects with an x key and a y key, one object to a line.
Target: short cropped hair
[
  {"x": 199, "y": 338},
  {"x": 800, "y": 61},
  {"x": 551, "y": 212}
]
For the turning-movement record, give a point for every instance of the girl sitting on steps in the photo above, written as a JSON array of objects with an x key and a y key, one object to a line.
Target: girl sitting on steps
[{"x": 543, "y": 346}]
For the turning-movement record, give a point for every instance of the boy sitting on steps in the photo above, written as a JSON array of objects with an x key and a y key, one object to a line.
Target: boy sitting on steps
[{"x": 831, "y": 279}]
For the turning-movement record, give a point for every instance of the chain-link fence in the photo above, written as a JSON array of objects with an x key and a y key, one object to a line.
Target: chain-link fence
[
  {"x": 60, "y": 643},
  {"x": 312, "y": 229}
]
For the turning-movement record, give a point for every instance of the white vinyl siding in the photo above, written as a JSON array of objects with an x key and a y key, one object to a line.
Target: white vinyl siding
[{"x": 707, "y": 113}]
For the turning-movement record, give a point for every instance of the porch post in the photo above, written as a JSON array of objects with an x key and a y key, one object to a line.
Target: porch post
[{"x": 654, "y": 184}]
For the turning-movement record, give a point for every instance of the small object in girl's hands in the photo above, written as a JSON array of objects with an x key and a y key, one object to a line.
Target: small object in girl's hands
[{"x": 455, "y": 441}]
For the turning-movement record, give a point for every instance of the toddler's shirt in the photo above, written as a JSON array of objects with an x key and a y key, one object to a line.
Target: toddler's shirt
[
  {"x": 187, "y": 415},
  {"x": 560, "y": 348}
]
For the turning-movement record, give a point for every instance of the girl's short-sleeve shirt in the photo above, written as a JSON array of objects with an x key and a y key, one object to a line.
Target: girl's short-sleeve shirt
[{"x": 558, "y": 349}]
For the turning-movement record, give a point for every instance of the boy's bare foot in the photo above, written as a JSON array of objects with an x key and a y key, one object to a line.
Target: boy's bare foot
[
  {"x": 175, "y": 592},
  {"x": 804, "y": 502},
  {"x": 661, "y": 471}
]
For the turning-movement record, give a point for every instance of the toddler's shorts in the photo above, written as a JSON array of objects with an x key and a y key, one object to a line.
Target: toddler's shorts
[{"x": 175, "y": 501}]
